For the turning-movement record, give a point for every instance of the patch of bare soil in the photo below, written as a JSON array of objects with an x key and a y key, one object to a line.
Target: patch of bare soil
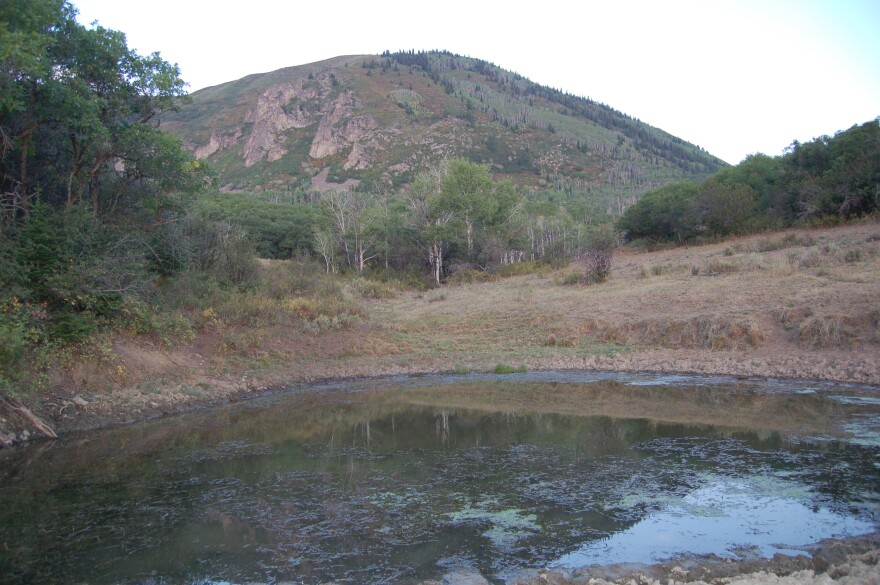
[{"x": 798, "y": 304}]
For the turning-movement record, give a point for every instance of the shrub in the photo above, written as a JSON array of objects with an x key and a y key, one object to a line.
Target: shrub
[
  {"x": 303, "y": 308},
  {"x": 853, "y": 255},
  {"x": 659, "y": 269},
  {"x": 25, "y": 345},
  {"x": 168, "y": 326},
  {"x": 299, "y": 276},
  {"x": 554, "y": 341},
  {"x": 715, "y": 333},
  {"x": 324, "y": 323},
  {"x": 789, "y": 241},
  {"x": 827, "y": 255},
  {"x": 824, "y": 331},
  {"x": 570, "y": 277},
  {"x": 597, "y": 266},
  {"x": 218, "y": 248},
  {"x": 371, "y": 289}
]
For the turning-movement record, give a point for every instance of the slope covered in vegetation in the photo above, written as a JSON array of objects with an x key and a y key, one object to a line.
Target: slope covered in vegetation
[
  {"x": 376, "y": 121},
  {"x": 828, "y": 178}
]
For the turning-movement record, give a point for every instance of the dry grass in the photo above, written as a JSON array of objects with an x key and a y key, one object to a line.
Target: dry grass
[
  {"x": 703, "y": 332},
  {"x": 826, "y": 331},
  {"x": 726, "y": 297}
]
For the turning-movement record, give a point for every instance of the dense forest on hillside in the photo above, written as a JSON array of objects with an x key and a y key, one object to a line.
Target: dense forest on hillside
[
  {"x": 109, "y": 224},
  {"x": 827, "y": 178}
]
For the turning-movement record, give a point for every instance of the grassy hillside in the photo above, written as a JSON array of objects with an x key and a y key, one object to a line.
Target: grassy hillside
[{"x": 375, "y": 121}]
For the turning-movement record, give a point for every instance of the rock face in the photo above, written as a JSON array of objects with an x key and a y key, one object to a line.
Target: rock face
[
  {"x": 279, "y": 109},
  {"x": 332, "y": 136},
  {"x": 320, "y": 103},
  {"x": 219, "y": 141},
  {"x": 301, "y": 104},
  {"x": 326, "y": 140}
]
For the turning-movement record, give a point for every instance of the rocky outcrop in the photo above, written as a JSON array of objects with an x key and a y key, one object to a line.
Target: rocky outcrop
[
  {"x": 279, "y": 108},
  {"x": 301, "y": 104},
  {"x": 320, "y": 182},
  {"x": 332, "y": 137},
  {"x": 361, "y": 133},
  {"x": 218, "y": 142},
  {"x": 325, "y": 143}
]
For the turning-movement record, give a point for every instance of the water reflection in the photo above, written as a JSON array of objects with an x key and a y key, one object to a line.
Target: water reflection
[
  {"x": 406, "y": 483},
  {"x": 733, "y": 517}
]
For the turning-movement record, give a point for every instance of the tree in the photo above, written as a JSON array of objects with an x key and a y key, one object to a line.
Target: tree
[
  {"x": 763, "y": 174},
  {"x": 429, "y": 218},
  {"x": 79, "y": 113},
  {"x": 720, "y": 210},
  {"x": 87, "y": 179},
  {"x": 665, "y": 213},
  {"x": 325, "y": 245},
  {"x": 354, "y": 221},
  {"x": 466, "y": 191}
]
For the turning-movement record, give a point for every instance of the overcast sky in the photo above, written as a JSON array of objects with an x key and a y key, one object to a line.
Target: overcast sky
[{"x": 735, "y": 77}]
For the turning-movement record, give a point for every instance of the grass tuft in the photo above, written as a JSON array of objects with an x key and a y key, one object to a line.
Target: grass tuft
[
  {"x": 717, "y": 267},
  {"x": 508, "y": 369},
  {"x": 825, "y": 331}
]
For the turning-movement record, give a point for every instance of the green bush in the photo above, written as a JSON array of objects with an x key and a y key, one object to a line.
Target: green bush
[
  {"x": 70, "y": 326},
  {"x": 24, "y": 344}
]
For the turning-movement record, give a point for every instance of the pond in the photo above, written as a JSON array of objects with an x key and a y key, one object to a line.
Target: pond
[{"x": 403, "y": 480}]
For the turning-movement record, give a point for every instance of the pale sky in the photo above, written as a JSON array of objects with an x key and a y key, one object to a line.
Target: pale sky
[{"x": 735, "y": 77}]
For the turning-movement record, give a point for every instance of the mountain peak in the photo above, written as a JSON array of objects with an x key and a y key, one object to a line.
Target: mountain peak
[{"x": 375, "y": 120}]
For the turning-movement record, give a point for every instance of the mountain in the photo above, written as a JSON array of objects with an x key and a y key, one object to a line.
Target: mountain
[{"x": 375, "y": 121}]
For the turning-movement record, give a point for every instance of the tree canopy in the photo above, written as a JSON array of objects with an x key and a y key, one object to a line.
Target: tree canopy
[
  {"x": 79, "y": 117},
  {"x": 828, "y": 177},
  {"x": 87, "y": 177}
]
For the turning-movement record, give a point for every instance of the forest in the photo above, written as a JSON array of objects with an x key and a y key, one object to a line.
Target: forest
[
  {"x": 108, "y": 224},
  {"x": 826, "y": 179}
]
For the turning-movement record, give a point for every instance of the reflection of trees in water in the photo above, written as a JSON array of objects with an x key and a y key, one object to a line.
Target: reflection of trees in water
[
  {"x": 309, "y": 416},
  {"x": 442, "y": 426}
]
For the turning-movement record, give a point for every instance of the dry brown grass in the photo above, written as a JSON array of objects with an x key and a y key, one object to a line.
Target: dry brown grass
[
  {"x": 824, "y": 331},
  {"x": 751, "y": 297}
]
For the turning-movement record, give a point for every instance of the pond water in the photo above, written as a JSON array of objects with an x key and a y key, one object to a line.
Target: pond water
[{"x": 402, "y": 480}]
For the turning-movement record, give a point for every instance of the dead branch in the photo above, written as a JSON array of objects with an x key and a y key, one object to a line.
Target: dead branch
[{"x": 14, "y": 404}]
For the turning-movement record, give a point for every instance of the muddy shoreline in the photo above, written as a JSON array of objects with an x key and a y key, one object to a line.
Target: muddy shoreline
[{"x": 851, "y": 560}]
